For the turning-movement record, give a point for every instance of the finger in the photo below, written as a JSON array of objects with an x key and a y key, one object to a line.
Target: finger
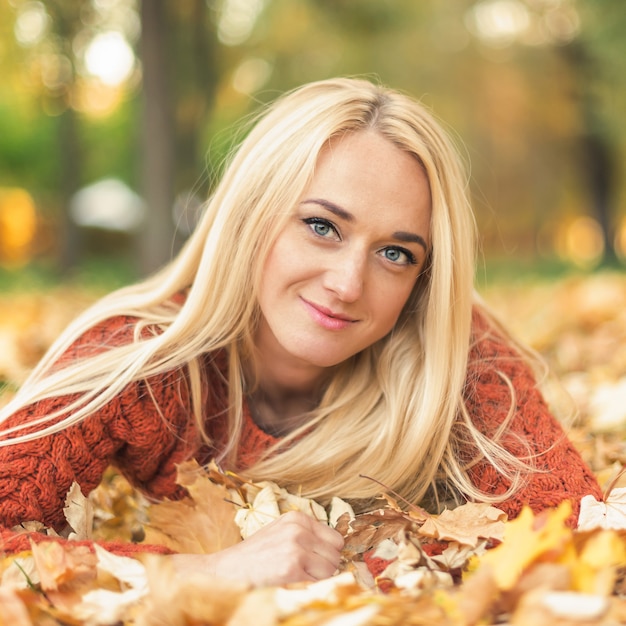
[
  {"x": 320, "y": 529},
  {"x": 328, "y": 535},
  {"x": 319, "y": 567}
]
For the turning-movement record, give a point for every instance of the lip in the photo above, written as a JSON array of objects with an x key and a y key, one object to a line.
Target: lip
[{"x": 326, "y": 317}]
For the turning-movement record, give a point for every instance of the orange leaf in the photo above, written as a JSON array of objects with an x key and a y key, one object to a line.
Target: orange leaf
[{"x": 201, "y": 524}]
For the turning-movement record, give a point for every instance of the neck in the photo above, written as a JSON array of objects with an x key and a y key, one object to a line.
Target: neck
[{"x": 282, "y": 399}]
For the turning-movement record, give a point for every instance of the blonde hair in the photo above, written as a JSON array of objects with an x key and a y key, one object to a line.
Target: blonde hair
[{"x": 390, "y": 411}]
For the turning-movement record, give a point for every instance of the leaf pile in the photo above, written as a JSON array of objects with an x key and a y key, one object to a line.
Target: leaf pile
[
  {"x": 438, "y": 570},
  {"x": 467, "y": 566}
]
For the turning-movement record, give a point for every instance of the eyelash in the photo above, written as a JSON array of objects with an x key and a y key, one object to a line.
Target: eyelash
[{"x": 312, "y": 222}]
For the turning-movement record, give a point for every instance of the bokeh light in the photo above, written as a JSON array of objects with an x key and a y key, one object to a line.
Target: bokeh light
[
  {"x": 580, "y": 242},
  {"x": 31, "y": 23},
  {"x": 18, "y": 225},
  {"x": 237, "y": 20},
  {"x": 110, "y": 58}
]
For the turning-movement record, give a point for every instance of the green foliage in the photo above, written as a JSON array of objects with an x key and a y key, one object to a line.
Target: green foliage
[
  {"x": 27, "y": 148},
  {"x": 520, "y": 109}
]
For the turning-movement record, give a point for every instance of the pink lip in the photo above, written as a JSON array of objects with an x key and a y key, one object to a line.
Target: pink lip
[{"x": 327, "y": 318}]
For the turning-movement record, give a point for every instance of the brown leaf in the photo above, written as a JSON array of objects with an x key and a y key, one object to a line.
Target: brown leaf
[
  {"x": 369, "y": 529},
  {"x": 201, "y": 524},
  {"x": 466, "y": 524},
  {"x": 78, "y": 512}
]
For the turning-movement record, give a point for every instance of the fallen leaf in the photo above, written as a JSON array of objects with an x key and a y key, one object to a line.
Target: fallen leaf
[
  {"x": 79, "y": 514},
  {"x": 595, "y": 569},
  {"x": 338, "y": 509},
  {"x": 367, "y": 530},
  {"x": 609, "y": 514},
  {"x": 201, "y": 524},
  {"x": 105, "y": 606},
  {"x": 466, "y": 524},
  {"x": 63, "y": 565},
  {"x": 526, "y": 538},
  {"x": 181, "y": 600},
  {"x": 260, "y": 512}
]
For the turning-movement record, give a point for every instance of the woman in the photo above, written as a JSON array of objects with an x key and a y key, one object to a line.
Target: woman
[{"x": 320, "y": 324}]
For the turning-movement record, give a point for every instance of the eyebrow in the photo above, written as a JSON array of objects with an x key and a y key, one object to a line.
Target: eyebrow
[
  {"x": 332, "y": 207},
  {"x": 400, "y": 235}
]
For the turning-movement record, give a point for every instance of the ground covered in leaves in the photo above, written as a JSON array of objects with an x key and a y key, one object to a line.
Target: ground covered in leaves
[{"x": 539, "y": 572}]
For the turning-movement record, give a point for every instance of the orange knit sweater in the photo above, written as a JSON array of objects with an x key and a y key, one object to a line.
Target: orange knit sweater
[{"x": 131, "y": 434}]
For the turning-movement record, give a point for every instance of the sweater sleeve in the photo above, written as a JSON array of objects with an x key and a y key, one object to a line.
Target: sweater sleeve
[
  {"x": 533, "y": 434},
  {"x": 145, "y": 431}
]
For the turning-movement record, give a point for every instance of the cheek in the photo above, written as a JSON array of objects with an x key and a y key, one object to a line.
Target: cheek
[{"x": 391, "y": 302}]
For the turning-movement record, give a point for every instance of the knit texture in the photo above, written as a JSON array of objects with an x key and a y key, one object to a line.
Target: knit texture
[{"x": 148, "y": 429}]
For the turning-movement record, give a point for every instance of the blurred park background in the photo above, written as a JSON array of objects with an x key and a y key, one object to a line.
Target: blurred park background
[{"x": 116, "y": 115}]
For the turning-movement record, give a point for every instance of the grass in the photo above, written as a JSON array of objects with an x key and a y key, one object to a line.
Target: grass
[{"x": 100, "y": 274}]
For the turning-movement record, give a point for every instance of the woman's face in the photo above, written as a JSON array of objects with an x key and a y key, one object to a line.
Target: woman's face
[{"x": 344, "y": 265}]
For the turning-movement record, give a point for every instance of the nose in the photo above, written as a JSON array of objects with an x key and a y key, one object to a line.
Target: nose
[{"x": 345, "y": 276}]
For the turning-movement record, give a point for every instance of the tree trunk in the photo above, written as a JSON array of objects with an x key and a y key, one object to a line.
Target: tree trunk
[{"x": 157, "y": 153}]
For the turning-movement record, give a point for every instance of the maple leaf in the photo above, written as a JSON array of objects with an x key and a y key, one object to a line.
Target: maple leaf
[
  {"x": 291, "y": 502},
  {"x": 456, "y": 555},
  {"x": 525, "y": 539},
  {"x": 201, "y": 524},
  {"x": 609, "y": 514},
  {"x": 595, "y": 568},
  {"x": 466, "y": 524}
]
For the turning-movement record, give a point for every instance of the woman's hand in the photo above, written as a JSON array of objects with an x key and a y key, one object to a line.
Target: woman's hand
[{"x": 292, "y": 548}]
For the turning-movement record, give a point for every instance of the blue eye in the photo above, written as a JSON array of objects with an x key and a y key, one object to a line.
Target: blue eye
[
  {"x": 322, "y": 227},
  {"x": 399, "y": 256}
]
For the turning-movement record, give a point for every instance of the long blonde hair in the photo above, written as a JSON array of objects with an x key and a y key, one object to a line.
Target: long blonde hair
[{"x": 390, "y": 412}]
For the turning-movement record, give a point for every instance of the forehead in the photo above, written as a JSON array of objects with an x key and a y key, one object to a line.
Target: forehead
[{"x": 366, "y": 174}]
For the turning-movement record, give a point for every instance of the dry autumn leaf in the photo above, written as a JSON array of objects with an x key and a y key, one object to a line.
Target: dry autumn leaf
[
  {"x": 526, "y": 538},
  {"x": 200, "y": 524},
  {"x": 557, "y": 576},
  {"x": 466, "y": 524},
  {"x": 609, "y": 513},
  {"x": 176, "y": 600},
  {"x": 63, "y": 565},
  {"x": 79, "y": 514}
]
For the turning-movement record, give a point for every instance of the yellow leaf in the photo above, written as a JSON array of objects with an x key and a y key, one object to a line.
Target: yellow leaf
[
  {"x": 595, "y": 569},
  {"x": 525, "y": 539}
]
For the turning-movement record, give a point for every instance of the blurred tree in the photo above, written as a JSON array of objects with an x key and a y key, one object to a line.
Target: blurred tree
[
  {"x": 158, "y": 153},
  {"x": 521, "y": 81},
  {"x": 179, "y": 81}
]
